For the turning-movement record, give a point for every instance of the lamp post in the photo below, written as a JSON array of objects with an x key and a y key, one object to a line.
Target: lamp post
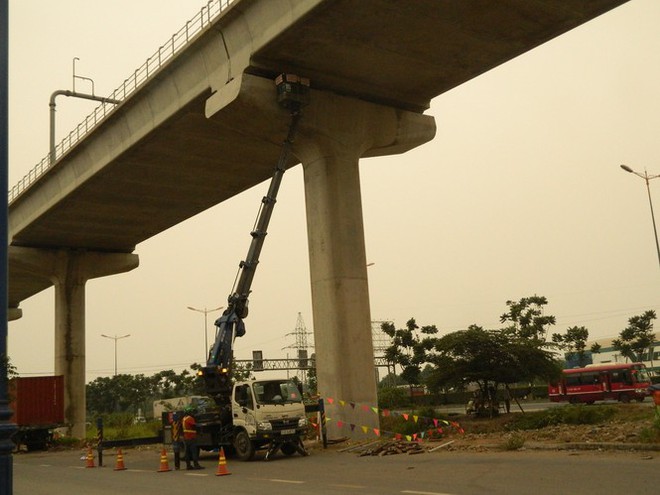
[
  {"x": 206, "y": 312},
  {"x": 647, "y": 178},
  {"x": 115, "y": 338}
]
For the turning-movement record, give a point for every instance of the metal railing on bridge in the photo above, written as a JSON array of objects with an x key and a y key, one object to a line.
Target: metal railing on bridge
[{"x": 201, "y": 21}]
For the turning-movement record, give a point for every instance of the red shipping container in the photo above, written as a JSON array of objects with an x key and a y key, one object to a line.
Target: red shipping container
[{"x": 37, "y": 400}]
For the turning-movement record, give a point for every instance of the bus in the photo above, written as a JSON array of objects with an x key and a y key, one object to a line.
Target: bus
[{"x": 622, "y": 382}]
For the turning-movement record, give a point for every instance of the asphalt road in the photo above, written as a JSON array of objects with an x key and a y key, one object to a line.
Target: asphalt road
[
  {"x": 332, "y": 472},
  {"x": 527, "y": 406}
]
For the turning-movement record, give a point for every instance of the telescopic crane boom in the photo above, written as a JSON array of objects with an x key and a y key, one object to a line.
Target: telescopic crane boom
[{"x": 293, "y": 94}]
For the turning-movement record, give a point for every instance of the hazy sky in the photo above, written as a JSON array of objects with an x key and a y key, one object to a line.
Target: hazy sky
[{"x": 520, "y": 193}]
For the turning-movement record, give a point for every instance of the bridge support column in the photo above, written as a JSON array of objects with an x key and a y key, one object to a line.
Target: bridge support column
[
  {"x": 69, "y": 271},
  {"x": 335, "y": 133}
]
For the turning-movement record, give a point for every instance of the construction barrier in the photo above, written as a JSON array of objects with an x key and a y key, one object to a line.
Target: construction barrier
[
  {"x": 222, "y": 464},
  {"x": 164, "y": 466}
]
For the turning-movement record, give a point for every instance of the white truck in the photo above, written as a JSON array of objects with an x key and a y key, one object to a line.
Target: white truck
[{"x": 261, "y": 414}]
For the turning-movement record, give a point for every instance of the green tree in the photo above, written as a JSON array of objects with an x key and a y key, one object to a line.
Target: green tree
[
  {"x": 411, "y": 348},
  {"x": 7, "y": 370},
  {"x": 526, "y": 318},
  {"x": 391, "y": 380},
  {"x": 312, "y": 378},
  {"x": 242, "y": 372},
  {"x": 637, "y": 337},
  {"x": 490, "y": 358},
  {"x": 127, "y": 393},
  {"x": 574, "y": 342}
]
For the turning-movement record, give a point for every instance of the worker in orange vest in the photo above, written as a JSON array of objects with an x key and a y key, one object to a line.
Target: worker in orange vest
[{"x": 190, "y": 439}]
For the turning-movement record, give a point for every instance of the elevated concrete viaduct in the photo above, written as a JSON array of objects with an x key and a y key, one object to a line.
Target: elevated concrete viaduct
[{"x": 205, "y": 126}]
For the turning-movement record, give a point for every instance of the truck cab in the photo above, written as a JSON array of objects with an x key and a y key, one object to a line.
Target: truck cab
[{"x": 267, "y": 413}]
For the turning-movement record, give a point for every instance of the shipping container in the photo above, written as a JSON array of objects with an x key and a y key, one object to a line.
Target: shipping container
[{"x": 38, "y": 406}]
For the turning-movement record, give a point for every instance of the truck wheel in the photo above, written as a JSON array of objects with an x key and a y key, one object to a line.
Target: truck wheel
[
  {"x": 625, "y": 398},
  {"x": 288, "y": 448},
  {"x": 244, "y": 446}
]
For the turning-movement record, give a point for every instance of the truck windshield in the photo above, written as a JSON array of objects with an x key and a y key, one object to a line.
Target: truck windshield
[{"x": 276, "y": 392}]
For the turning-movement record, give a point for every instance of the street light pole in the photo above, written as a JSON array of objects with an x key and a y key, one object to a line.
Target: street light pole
[
  {"x": 647, "y": 178},
  {"x": 115, "y": 338},
  {"x": 206, "y": 312}
]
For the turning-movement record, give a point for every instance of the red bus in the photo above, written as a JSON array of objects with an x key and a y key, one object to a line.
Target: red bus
[{"x": 622, "y": 382}]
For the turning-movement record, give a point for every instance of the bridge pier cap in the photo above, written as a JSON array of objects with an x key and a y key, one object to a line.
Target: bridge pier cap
[{"x": 384, "y": 130}]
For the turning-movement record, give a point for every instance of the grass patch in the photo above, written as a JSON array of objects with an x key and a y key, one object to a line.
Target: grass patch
[
  {"x": 560, "y": 415},
  {"x": 513, "y": 441},
  {"x": 121, "y": 426},
  {"x": 652, "y": 433},
  {"x": 568, "y": 415}
]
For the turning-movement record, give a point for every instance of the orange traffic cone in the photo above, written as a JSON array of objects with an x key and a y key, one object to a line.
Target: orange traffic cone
[
  {"x": 222, "y": 464},
  {"x": 120, "y": 461},
  {"x": 90, "y": 459},
  {"x": 164, "y": 466}
]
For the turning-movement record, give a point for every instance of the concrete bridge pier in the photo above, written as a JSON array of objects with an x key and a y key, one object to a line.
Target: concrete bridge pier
[
  {"x": 69, "y": 270},
  {"x": 335, "y": 133}
]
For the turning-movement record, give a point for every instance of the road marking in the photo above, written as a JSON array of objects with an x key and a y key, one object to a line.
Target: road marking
[
  {"x": 196, "y": 474},
  {"x": 414, "y": 492},
  {"x": 294, "y": 482},
  {"x": 357, "y": 487}
]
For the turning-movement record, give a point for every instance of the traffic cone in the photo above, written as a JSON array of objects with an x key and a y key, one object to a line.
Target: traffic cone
[
  {"x": 222, "y": 464},
  {"x": 120, "y": 461},
  {"x": 90, "y": 459},
  {"x": 164, "y": 466}
]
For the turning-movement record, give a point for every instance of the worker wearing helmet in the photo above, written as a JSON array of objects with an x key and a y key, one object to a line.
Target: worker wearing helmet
[{"x": 190, "y": 439}]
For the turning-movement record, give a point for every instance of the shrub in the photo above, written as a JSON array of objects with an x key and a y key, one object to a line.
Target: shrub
[
  {"x": 514, "y": 441},
  {"x": 651, "y": 434},
  {"x": 392, "y": 397}
]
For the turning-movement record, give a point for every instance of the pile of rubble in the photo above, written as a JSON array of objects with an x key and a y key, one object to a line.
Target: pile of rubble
[{"x": 392, "y": 447}]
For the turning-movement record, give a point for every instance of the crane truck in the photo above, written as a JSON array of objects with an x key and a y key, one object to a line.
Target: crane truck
[{"x": 247, "y": 416}]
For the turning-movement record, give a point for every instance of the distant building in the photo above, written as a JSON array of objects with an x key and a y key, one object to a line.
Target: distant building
[{"x": 607, "y": 354}]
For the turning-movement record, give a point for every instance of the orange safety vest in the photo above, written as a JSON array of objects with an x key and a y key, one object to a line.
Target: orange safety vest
[{"x": 189, "y": 431}]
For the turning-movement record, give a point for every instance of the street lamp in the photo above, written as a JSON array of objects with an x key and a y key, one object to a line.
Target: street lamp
[
  {"x": 206, "y": 312},
  {"x": 647, "y": 178},
  {"x": 115, "y": 338}
]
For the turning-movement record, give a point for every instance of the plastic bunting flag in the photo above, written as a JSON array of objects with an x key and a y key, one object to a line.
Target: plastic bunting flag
[{"x": 387, "y": 413}]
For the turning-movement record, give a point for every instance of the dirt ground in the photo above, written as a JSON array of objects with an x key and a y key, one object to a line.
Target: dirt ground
[{"x": 631, "y": 427}]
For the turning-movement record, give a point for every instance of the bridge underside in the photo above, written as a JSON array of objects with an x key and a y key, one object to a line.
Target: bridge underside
[
  {"x": 404, "y": 53},
  {"x": 399, "y": 54}
]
